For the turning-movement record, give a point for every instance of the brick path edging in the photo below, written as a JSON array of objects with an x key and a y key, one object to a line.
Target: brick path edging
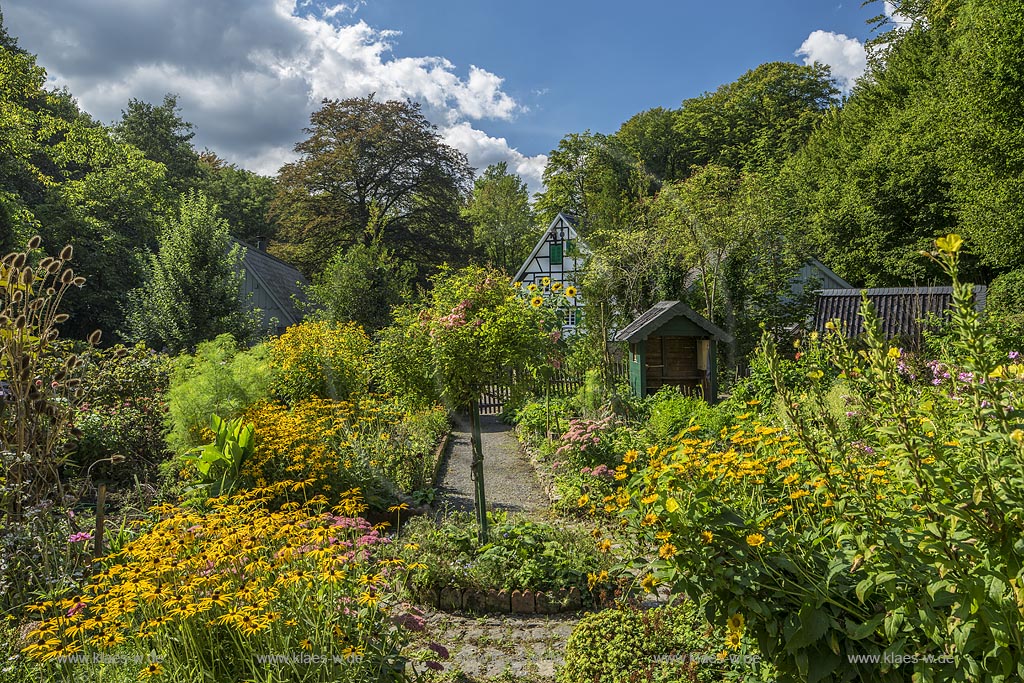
[{"x": 510, "y": 602}]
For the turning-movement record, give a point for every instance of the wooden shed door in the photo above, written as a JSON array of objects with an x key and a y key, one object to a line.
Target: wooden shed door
[{"x": 673, "y": 361}]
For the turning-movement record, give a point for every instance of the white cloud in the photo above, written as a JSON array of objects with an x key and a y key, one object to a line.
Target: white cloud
[
  {"x": 484, "y": 150},
  {"x": 249, "y": 72},
  {"x": 846, "y": 56},
  {"x": 898, "y": 20}
]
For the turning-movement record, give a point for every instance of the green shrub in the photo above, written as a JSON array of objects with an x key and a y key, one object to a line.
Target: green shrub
[
  {"x": 670, "y": 412},
  {"x": 668, "y": 644},
  {"x": 321, "y": 359},
  {"x": 522, "y": 554},
  {"x": 219, "y": 379},
  {"x": 125, "y": 414}
]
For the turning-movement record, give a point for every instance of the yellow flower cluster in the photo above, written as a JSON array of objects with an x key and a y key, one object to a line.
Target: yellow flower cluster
[
  {"x": 320, "y": 358},
  {"x": 227, "y": 583},
  {"x": 334, "y": 444}
]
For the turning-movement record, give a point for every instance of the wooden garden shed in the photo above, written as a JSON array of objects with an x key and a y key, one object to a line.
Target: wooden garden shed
[{"x": 671, "y": 344}]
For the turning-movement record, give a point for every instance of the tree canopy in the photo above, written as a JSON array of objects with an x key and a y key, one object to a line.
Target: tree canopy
[
  {"x": 373, "y": 171},
  {"x": 504, "y": 227}
]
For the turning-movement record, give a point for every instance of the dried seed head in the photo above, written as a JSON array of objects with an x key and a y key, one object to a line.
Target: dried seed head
[
  {"x": 35, "y": 242},
  {"x": 50, "y": 291},
  {"x": 116, "y": 458},
  {"x": 9, "y": 258},
  {"x": 78, "y": 281},
  {"x": 26, "y": 276},
  {"x": 19, "y": 260},
  {"x": 21, "y": 321},
  {"x": 94, "y": 338},
  {"x": 61, "y": 318},
  {"x": 53, "y": 267},
  {"x": 17, "y": 296},
  {"x": 66, "y": 253},
  {"x": 67, "y": 276}
]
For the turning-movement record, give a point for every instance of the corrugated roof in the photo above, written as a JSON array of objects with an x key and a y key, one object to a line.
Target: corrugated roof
[
  {"x": 283, "y": 283},
  {"x": 899, "y": 309},
  {"x": 660, "y": 313}
]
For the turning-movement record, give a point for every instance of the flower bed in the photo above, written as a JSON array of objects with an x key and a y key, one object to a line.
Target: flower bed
[{"x": 211, "y": 595}]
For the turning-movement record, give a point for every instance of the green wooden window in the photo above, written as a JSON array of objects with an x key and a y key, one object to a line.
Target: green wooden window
[{"x": 555, "y": 253}]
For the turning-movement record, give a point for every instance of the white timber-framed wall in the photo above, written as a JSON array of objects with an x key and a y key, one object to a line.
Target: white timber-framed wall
[{"x": 559, "y": 255}]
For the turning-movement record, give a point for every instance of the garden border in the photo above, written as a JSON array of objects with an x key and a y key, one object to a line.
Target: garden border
[{"x": 503, "y": 601}]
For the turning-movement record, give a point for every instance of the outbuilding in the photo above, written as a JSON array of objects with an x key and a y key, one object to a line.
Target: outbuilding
[{"x": 673, "y": 345}]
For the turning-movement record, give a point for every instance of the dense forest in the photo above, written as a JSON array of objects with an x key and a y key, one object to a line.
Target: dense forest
[{"x": 718, "y": 202}]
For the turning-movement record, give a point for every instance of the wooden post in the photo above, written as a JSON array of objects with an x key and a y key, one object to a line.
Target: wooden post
[
  {"x": 478, "y": 471},
  {"x": 101, "y": 502}
]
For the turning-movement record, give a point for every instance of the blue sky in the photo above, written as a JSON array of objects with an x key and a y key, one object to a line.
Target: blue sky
[{"x": 502, "y": 81}]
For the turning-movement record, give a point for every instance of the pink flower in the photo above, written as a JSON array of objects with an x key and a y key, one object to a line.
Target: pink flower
[{"x": 80, "y": 537}]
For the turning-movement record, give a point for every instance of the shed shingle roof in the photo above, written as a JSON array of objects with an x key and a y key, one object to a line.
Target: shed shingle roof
[
  {"x": 659, "y": 314},
  {"x": 899, "y": 309},
  {"x": 283, "y": 283}
]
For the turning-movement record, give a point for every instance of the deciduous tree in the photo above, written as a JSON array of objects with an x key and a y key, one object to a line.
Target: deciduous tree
[{"x": 373, "y": 172}]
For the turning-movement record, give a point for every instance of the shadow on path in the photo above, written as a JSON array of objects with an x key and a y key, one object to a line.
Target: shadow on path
[{"x": 510, "y": 482}]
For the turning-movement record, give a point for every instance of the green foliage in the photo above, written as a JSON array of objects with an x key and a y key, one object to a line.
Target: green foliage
[
  {"x": 663, "y": 645},
  {"x": 321, "y": 359},
  {"x": 163, "y": 136},
  {"x": 193, "y": 290},
  {"x": 503, "y": 222},
  {"x": 670, "y": 412},
  {"x": 757, "y": 121},
  {"x": 891, "y": 532},
  {"x": 220, "y": 463},
  {"x": 373, "y": 172},
  {"x": 1004, "y": 309},
  {"x": 219, "y": 379},
  {"x": 243, "y": 197},
  {"x": 474, "y": 330},
  {"x": 362, "y": 284},
  {"x": 522, "y": 554},
  {"x": 124, "y": 414}
]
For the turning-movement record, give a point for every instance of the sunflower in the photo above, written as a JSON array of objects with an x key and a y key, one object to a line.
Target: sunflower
[
  {"x": 666, "y": 551},
  {"x": 706, "y": 537},
  {"x": 570, "y": 292},
  {"x": 532, "y": 287},
  {"x": 649, "y": 582},
  {"x": 736, "y": 622},
  {"x": 733, "y": 640},
  {"x": 556, "y": 287},
  {"x": 545, "y": 281},
  {"x": 754, "y": 540},
  {"x": 536, "y": 302}
]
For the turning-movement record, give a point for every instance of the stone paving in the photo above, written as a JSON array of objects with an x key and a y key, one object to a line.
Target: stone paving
[{"x": 496, "y": 647}]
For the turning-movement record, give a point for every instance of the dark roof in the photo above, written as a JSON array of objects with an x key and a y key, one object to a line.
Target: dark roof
[
  {"x": 662, "y": 312},
  {"x": 899, "y": 309},
  {"x": 283, "y": 283}
]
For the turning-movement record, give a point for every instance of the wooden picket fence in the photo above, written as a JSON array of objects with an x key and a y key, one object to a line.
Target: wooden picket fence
[{"x": 561, "y": 383}]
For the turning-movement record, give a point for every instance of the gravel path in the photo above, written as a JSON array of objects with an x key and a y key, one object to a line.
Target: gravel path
[{"x": 510, "y": 482}]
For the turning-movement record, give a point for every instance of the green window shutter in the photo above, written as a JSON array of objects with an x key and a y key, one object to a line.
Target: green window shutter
[{"x": 555, "y": 253}]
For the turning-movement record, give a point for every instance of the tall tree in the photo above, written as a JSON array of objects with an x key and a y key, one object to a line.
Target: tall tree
[
  {"x": 373, "y": 172},
  {"x": 503, "y": 223},
  {"x": 162, "y": 135},
  {"x": 243, "y": 196},
  {"x": 757, "y": 121},
  {"x": 193, "y": 292}
]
